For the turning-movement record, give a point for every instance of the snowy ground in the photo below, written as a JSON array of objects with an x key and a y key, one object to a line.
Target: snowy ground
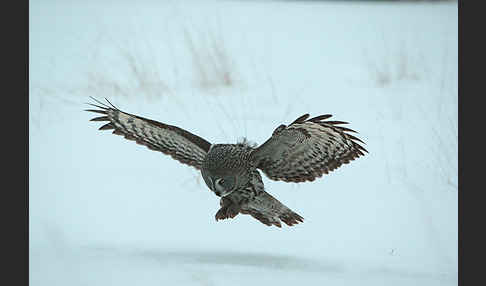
[{"x": 105, "y": 211}]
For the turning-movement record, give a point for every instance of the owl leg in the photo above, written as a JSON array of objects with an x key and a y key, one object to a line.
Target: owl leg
[{"x": 229, "y": 209}]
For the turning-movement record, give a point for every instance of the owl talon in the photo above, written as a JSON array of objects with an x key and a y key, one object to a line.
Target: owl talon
[
  {"x": 227, "y": 212},
  {"x": 233, "y": 210},
  {"x": 220, "y": 214}
]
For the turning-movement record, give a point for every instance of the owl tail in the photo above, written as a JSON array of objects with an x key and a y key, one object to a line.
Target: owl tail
[{"x": 270, "y": 211}]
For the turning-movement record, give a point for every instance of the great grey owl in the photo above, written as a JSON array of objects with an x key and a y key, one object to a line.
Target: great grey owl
[{"x": 302, "y": 151}]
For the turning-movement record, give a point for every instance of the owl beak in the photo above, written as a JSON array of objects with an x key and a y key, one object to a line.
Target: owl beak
[
  {"x": 212, "y": 184},
  {"x": 213, "y": 188}
]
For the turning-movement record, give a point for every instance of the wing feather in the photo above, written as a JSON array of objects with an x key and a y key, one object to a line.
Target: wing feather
[
  {"x": 307, "y": 149},
  {"x": 180, "y": 144}
]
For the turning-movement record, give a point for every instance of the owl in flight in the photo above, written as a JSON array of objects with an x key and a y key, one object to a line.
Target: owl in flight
[{"x": 301, "y": 151}]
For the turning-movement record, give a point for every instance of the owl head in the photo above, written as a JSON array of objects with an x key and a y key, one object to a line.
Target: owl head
[{"x": 225, "y": 169}]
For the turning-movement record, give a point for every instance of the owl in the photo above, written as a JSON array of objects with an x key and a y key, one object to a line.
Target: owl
[{"x": 302, "y": 151}]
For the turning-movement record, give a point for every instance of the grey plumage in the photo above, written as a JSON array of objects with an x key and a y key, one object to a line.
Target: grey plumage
[{"x": 302, "y": 151}]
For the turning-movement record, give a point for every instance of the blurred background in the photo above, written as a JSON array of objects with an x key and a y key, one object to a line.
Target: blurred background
[{"x": 106, "y": 211}]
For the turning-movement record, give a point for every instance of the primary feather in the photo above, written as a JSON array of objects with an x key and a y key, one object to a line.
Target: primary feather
[
  {"x": 180, "y": 144},
  {"x": 307, "y": 149}
]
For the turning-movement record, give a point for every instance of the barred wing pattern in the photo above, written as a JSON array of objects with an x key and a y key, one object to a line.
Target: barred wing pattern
[
  {"x": 180, "y": 144},
  {"x": 307, "y": 149}
]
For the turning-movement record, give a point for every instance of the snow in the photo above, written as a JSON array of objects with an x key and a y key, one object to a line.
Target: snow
[{"x": 106, "y": 211}]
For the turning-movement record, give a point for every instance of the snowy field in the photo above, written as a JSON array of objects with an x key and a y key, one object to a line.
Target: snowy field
[{"x": 106, "y": 211}]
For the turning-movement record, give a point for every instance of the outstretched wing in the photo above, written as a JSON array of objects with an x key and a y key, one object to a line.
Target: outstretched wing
[
  {"x": 180, "y": 144},
  {"x": 306, "y": 149},
  {"x": 268, "y": 210}
]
